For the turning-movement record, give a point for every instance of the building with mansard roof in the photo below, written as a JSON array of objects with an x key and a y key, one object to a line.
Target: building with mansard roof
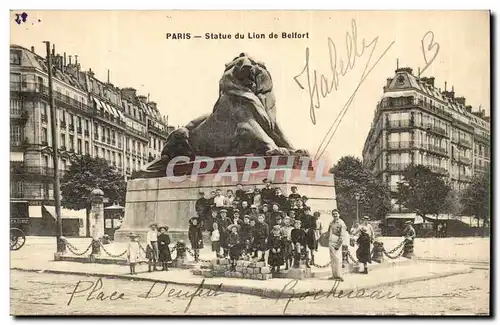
[
  {"x": 415, "y": 122},
  {"x": 93, "y": 118}
]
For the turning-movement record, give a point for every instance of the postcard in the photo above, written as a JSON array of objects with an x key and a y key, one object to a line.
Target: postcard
[{"x": 180, "y": 163}]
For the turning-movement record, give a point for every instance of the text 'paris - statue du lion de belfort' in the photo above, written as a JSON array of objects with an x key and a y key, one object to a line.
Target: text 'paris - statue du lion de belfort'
[{"x": 243, "y": 121}]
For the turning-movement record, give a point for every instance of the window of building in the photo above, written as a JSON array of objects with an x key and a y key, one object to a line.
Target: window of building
[
  {"x": 71, "y": 142},
  {"x": 15, "y": 57},
  {"x": 16, "y": 134},
  {"x": 87, "y": 125},
  {"x": 87, "y": 148},
  {"x": 15, "y": 106},
  {"x": 154, "y": 144},
  {"x": 114, "y": 158},
  {"x": 96, "y": 151},
  {"x": 79, "y": 122},
  {"x": 119, "y": 159},
  {"x": 63, "y": 140},
  {"x": 79, "y": 146},
  {"x": 103, "y": 151}
]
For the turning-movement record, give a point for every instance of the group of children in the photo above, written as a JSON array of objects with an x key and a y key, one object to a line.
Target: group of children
[
  {"x": 243, "y": 225},
  {"x": 157, "y": 250}
]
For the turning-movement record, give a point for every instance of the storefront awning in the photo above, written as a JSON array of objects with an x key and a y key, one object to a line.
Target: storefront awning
[
  {"x": 16, "y": 156},
  {"x": 35, "y": 211}
]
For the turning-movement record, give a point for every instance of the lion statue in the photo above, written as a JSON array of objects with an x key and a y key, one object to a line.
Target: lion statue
[{"x": 243, "y": 121}]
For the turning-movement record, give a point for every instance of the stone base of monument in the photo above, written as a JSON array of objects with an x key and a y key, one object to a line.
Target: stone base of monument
[
  {"x": 299, "y": 273},
  {"x": 221, "y": 267},
  {"x": 171, "y": 202}
]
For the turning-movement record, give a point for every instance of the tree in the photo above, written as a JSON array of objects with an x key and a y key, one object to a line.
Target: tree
[
  {"x": 422, "y": 191},
  {"x": 352, "y": 178},
  {"x": 476, "y": 198},
  {"x": 452, "y": 203},
  {"x": 87, "y": 173}
]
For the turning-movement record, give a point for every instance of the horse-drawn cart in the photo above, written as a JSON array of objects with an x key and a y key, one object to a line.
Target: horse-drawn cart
[{"x": 19, "y": 221}]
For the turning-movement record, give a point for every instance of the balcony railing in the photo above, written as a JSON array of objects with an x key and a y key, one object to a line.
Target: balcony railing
[
  {"x": 79, "y": 130},
  {"x": 438, "y": 170},
  {"x": 399, "y": 124},
  {"x": 44, "y": 143},
  {"x": 437, "y": 149},
  {"x": 71, "y": 127},
  {"x": 113, "y": 142},
  {"x": 399, "y": 145},
  {"x": 63, "y": 148},
  {"x": 72, "y": 150},
  {"x": 108, "y": 141},
  {"x": 96, "y": 136},
  {"x": 44, "y": 118},
  {"x": 86, "y": 133},
  {"x": 398, "y": 166},
  {"x": 34, "y": 170},
  {"x": 40, "y": 89},
  {"x": 436, "y": 129},
  {"x": 63, "y": 124}
]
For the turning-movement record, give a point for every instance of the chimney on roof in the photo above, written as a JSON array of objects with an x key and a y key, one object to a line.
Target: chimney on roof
[
  {"x": 460, "y": 100},
  {"x": 69, "y": 56},
  {"x": 129, "y": 93},
  {"x": 108, "y": 76},
  {"x": 430, "y": 81},
  {"x": 53, "y": 50},
  {"x": 76, "y": 59},
  {"x": 142, "y": 99},
  {"x": 32, "y": 49},
  {"x": 389, "y": 81},
  {"x": 445, "y": 84},
  {"x": 64, "y": 62},
  {"x": 152, "y": 104},
  {"x": 91, "y": 73},
  {"x": 468, "y": 108}
]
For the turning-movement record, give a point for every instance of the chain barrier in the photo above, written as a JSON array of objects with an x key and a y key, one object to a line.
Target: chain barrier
[
  {"x": 321, "y": 266},
  {"x": 388, "y": 253},
  {"x": 110, "y": 254},
  {"x": 74, "y": 250}
]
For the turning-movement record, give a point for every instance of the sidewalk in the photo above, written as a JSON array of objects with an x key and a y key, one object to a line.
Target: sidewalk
[{"x": 273, "y": 288}]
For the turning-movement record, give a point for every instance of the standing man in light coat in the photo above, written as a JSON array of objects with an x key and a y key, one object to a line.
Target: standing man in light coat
[{"x": 337, "y": 231}]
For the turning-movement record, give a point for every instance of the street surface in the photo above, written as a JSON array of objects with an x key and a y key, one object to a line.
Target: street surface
[{"x": 48, "y": 294}]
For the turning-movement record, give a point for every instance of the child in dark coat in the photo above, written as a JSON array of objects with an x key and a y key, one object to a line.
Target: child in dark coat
[
  {"x": 234, "y": 245},
  {"x": 261, "y": 233},
  {"x": 363, "y": 252},
  {"x": 164, "y": 255},
  {"x": 246, "y": 235},
  {"x": 275, "y": 245},
  {"x": 299, "y": 241},
  {"x": 195, "y": 237}
]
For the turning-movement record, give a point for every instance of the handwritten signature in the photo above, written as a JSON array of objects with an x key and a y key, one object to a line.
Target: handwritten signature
[
  {"x": 288, "y": 292},
  {"x": 428, "y": 50},
  {"x": 338, "y": 68}
]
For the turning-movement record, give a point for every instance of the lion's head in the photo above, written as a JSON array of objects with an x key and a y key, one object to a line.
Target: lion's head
[{"x": 246, "y": 74}]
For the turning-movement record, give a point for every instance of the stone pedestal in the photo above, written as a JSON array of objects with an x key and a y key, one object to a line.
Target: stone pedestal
[{"x": 171, "y": 202}]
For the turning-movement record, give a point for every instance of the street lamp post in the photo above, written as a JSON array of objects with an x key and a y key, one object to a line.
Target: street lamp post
[{"x": 357, "y": 207}]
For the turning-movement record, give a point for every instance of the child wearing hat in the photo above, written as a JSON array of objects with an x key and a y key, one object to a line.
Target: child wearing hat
[
  {"x": 286, "y": 234},
  {"x": 240, "y": 192},
  {"x": 261, "y": 234},
  {"x": 133, "y": 252},
  {"x": 363, "y": 252},
  {"x": 164, "y": 256},
  {"x": 234, "y": 245},
  {"x": 152, "y": 246},
  {"x": 275, "y": 245},
  {"x": 195, "y": 237},
  {"x": 246, "y": 235},
  {"x": 215, "y": 239}
]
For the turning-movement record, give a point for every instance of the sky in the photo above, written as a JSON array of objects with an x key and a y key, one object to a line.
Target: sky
[{"x": 182, "y": 75}]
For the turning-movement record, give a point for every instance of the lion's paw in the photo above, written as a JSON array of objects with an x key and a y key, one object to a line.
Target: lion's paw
[
  {"x": 278, "y": 152},
  {"x": 301, "y": 152}
]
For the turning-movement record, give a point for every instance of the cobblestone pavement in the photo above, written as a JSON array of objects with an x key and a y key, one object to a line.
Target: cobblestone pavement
[{"x": 49, "y": 294}]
